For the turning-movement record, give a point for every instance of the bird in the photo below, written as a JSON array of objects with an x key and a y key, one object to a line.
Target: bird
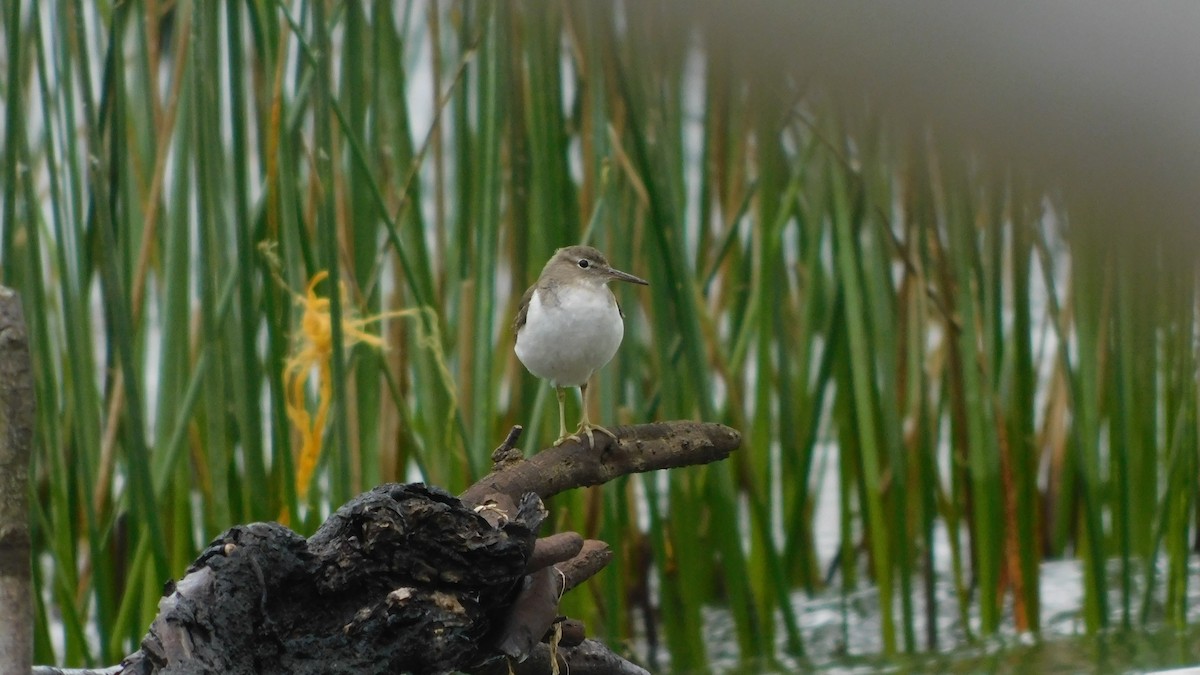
[{"x": 569, "y": 325}]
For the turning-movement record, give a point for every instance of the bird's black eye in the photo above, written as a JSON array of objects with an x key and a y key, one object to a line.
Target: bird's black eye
[{"x": 583, "y": 263}]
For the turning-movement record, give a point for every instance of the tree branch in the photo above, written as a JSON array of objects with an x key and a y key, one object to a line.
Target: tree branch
[{"x": 637, "y": 449}]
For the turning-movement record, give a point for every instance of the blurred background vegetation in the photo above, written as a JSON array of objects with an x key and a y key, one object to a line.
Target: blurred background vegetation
[{"x": 953, "y": 342}]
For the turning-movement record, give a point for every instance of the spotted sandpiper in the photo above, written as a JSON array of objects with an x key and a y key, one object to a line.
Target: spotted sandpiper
[{"x": 569, "y": 325}]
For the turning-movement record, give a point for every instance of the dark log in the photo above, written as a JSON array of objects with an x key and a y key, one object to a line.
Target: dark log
[
  {"x": 407, "y": 578},
  {"x": 404, "y": 578}
]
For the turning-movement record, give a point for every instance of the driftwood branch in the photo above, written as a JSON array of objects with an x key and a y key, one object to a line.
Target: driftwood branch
[
  {"x": 637, "y": 449},
  {"x": 407, "y": 578},
  {"x": 16, "y": 434}
]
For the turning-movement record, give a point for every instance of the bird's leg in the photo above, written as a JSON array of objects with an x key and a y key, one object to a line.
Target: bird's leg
[
  {"x": 562, "y": 418},
  {"x": 585, "y": 424}
]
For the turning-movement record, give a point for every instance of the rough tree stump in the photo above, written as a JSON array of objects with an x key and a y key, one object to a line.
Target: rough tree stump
[{"x": 407, "y": 578}]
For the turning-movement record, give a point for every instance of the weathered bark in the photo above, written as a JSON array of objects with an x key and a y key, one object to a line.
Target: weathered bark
[
  {"x": 407, "y": 578},
  {"x": 637, "y": 449},
  {"x": 16, "y": 433},
  {"x": 402, "y": 578}
]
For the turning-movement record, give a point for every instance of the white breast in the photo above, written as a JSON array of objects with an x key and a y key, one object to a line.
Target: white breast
[{"x": 567, "y": 341}]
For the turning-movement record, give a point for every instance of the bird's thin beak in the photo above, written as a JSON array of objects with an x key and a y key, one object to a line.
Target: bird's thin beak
[{"x": 626, "y": 276}]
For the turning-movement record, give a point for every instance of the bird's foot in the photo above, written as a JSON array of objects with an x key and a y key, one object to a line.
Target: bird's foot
[
  {"x": 587, "y": 428},
  {"x": 567, "y": 437}
]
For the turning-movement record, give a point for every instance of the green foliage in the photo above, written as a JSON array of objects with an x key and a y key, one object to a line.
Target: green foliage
[{"x": 175, "y": 173}]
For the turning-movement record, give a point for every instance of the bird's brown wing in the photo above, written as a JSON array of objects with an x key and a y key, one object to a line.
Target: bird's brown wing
[{"x": 523, "y": 310}]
